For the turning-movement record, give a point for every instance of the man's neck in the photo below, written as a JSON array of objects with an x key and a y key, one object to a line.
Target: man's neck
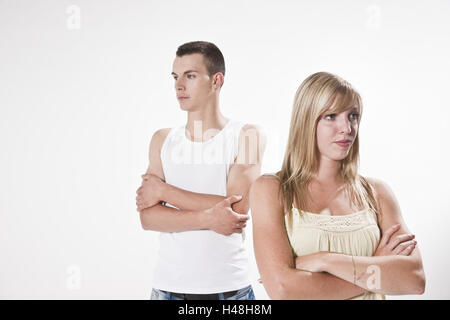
[{"x": 207, "y": 118}]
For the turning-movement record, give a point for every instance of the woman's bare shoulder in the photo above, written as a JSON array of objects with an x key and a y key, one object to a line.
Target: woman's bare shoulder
[
  {"x": 382, "y": 189},
  {"x": 389, "y": 208},
  {"x": 267, "y": 181},
  {"x": 264, "y": 193}
]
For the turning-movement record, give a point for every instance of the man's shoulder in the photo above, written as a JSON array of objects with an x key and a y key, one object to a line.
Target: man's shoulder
[
  {"x": 163, "y": 132},
  {"x": 257, "y": 135},
  {"x": 159, "y": 136},
  {"x": 250, "y": 130},
  {"x": 251, "y": 126}
]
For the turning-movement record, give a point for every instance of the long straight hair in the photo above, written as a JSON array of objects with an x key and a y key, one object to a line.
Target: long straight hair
[{"x": 312, "y": 99}]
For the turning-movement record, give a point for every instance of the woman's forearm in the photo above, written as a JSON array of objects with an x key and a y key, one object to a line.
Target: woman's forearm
[
  {"x": 393, "y": 275},
  {"x": 298, "y": 284}
]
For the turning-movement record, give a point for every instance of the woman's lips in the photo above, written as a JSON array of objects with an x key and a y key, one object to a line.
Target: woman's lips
[{"x": 344, "y": 143}]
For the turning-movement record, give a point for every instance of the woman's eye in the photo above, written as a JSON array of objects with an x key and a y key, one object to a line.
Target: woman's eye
[
  {"x": 330, "y": 116},
  {"x": 190, "y": 76},
  {"x": 354, "y": 116}
]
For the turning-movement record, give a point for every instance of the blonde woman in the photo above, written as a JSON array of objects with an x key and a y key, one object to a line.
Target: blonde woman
[{"x": 321, "y": 230}]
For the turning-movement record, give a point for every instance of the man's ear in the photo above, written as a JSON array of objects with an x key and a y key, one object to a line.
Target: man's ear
[{"x": 218, "y": 80}]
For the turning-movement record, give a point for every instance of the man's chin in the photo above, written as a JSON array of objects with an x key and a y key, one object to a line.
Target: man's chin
[{"x": 185, "y": 107}]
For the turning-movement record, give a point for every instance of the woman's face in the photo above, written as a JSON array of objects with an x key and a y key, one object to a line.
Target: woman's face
[{"x": 336, "y": 132}]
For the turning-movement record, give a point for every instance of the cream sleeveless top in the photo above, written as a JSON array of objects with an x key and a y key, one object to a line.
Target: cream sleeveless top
[{"x": 352, "y": 234}]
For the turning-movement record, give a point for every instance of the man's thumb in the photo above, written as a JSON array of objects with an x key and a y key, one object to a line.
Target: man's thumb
[{"x": 234, "y": 198}]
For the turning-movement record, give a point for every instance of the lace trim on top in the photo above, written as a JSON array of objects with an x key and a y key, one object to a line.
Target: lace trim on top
[{"x": 343, "y": 223}]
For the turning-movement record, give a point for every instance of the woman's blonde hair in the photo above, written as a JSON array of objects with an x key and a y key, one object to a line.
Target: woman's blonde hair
[{"x": 313, "y": 98}]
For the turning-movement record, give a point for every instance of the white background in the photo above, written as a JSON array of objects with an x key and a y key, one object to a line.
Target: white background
[{"x": 85, "y": 84}]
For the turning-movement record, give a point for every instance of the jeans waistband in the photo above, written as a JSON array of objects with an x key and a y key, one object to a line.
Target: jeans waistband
[{"x": 209, "y": 296}]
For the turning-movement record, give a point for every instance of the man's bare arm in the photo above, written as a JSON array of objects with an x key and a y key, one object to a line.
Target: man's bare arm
[
  {"x": 180, "y": 198},
  {"x": 160, "y": 217},
  {"x": 219, "y": 217},
  {"x": 247, "y": 166},
  {"x": 244, "y": 171},
  {"x": 166, "y": 219}
]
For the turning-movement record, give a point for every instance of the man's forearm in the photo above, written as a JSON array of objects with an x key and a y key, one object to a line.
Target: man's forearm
[
  {"x": 187, "y": 200},
  {"x": 166, "y": 219}
]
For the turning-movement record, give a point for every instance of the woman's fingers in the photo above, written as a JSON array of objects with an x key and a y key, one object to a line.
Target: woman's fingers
[
  {"x": 402, "y": 246},
  {"x": 408, "y": 250},
  {"x": 398, "y": 240},
  {"x": 387, "y": 236}
]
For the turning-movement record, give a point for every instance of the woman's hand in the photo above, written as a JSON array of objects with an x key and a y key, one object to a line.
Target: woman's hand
[
  {"x": 312, "y": 262},
  {"x": 402, "y": 244}
]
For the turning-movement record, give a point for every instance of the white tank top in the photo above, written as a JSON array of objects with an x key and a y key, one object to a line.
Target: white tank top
[{"x": 201, "y": 261}]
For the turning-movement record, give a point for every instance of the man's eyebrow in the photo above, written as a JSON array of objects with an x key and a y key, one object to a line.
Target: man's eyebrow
[{"x": 188, "y": 71}]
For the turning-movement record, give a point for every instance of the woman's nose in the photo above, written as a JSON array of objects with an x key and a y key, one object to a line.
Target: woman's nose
[{"x": 345, "y": 126}]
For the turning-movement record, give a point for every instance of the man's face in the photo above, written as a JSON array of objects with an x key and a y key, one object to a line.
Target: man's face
[{"x": 193, "y": 85}]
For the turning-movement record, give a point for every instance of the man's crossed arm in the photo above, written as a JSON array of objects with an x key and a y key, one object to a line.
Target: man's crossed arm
[{"x": 196, "y": 211}]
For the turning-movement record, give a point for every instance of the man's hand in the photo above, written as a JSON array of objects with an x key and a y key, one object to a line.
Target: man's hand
[
  {"x": 150, "y": 192},
  {"x": 402, "y": 244},
  {"x": 223, "y": 220}
]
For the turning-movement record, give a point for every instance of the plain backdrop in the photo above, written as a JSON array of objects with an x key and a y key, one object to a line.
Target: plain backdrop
[{"x": 85, "y": 84}]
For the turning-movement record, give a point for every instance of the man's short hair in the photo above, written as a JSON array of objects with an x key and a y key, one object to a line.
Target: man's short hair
[{"x": 212, "y": 56}]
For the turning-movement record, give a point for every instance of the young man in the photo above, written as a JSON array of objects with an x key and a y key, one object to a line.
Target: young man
[{"x": 196, "y": 188}]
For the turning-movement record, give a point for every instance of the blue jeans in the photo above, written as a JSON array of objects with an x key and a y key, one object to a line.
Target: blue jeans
[{"x": 242, "y": 294}]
